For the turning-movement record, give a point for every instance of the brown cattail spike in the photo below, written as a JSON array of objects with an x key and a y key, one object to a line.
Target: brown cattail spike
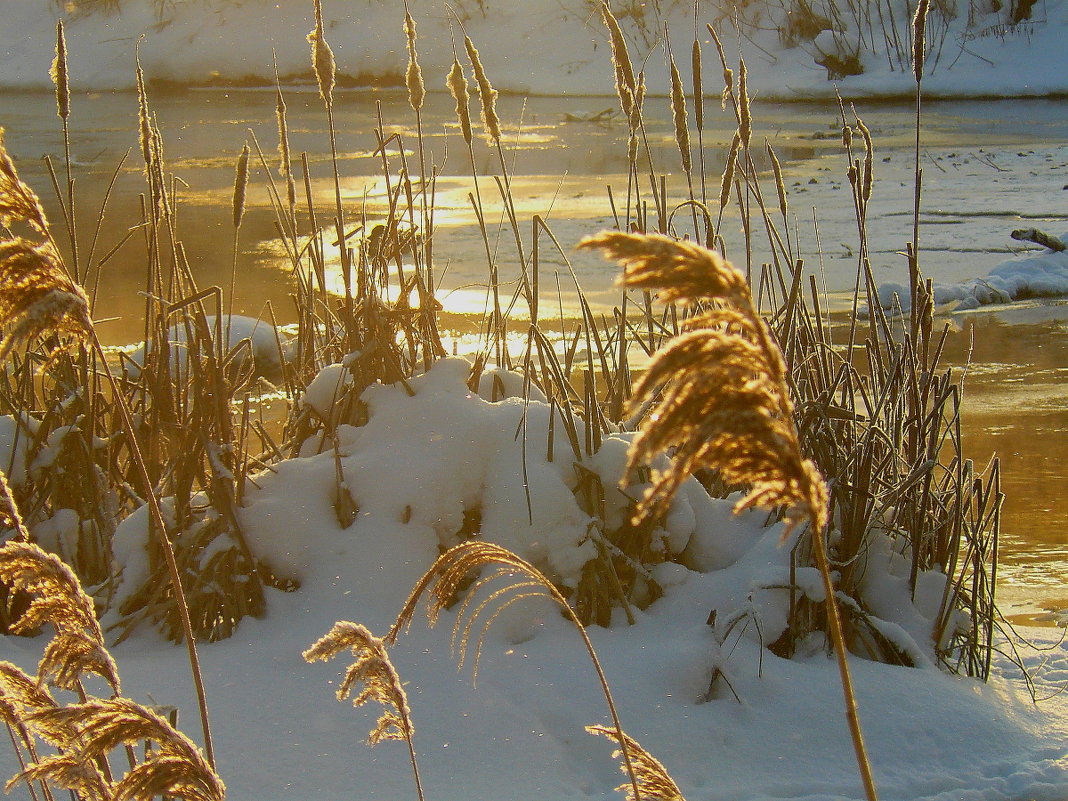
[
  {"x": 678, "y": 113},
  {"x": 240, "y": 185},
  {"x": 59, "y": 74},
  {"x": 919, "y": 30}
]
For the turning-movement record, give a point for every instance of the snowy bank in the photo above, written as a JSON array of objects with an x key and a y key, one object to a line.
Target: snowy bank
[
  {"x": 767, "y": 728},
  {"x": 1034, "y": 275},
  {"x": 537, "y": 47}
]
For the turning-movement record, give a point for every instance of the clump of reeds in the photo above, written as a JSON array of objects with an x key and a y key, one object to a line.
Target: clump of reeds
[
  {"x": 722, "y": 402},
  {"x": 86, "y": 732}
]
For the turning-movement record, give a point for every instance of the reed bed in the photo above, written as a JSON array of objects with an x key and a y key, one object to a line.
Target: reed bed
[{"x": 865, "y": 404}]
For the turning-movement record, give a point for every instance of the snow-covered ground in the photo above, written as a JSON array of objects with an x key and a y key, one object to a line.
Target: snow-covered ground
[
  {"x": 281, "y": 735},
  {"x": 415, "y": 467}
]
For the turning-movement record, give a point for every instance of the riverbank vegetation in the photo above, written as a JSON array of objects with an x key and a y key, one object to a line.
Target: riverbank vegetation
[{"x": 136, "y": 471}]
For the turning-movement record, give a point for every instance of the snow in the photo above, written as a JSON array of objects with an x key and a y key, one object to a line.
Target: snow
[
  {"x": 263, "y": 343},
  {"x": 204, "y": 41},
  {"x": 413, "y": 469},
  {"x": 1033, "y": 275},
  {"x": 423, "y": 460}
]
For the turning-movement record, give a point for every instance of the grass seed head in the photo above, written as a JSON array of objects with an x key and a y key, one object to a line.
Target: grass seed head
[
  {"x": 654, "y": 782},
  {"x": 17, "y": 200},
  {"x": 37, "y": 296}
]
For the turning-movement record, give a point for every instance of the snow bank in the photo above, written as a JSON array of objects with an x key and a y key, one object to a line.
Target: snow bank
[
  {"x": 770, "y": 729},
  {"x": 1036, "y": 275},
  {"x": 199, "y": 41},
  {"x": 261, "y": 336}
]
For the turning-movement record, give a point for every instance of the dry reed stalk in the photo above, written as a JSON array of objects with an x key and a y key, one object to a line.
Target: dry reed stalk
[
  {"x": 725, "y": 404},
  {"x": 37, "y": 296},
  {"x": 381, "y": 683}
]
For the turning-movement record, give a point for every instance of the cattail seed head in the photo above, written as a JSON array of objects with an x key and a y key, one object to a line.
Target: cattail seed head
[
  {"x": 59, "y": 75},
  {"x": 240, "y": 185},
  {"x": 626, "y": 85},
  {"x": 678, "y": 113},
  {"x": 322, "y": 58},
  {"x": 414, "y": 75},
  {"x": 698, "y": 88},
  {"x": 728, "y": 172},
  {"x": 919, "y": 29},
  {"x": 745, "y": 118},
  {"x": 486, "y": 93},
  {"x": 457, "y": 84}
]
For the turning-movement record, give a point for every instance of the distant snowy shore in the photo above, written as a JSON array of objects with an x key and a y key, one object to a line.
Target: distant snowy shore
[{"x": 545, "y": 47}]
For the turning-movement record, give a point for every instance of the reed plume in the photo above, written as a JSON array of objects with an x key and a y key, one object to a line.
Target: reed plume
[
  {"x": 17, "y": 201},
  {"x": 174, "y": 767},
  {"x": 38, "y": 296},
  {"x": 57, "y": 598},
  {"x": 719, "y": 397},
  {"x": 381, "y": 683},
  {"x": 447, "y": 578},
  {"x": 654, "y": 781}
]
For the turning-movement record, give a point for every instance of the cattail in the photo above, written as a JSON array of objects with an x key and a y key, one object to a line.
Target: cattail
[
  {"x": 678, "y": 114},
  {"x": 58, "y": 73},
  {"x": 414, "y": 75},
  {"x": 780, "y": 185},
  {"x": 728, "y": 73},
  {"x": 457, "y": 84},
  {"x": 869, "y": 159},
  {"x": 626, "y": 86},
  {"x": 728, "y": 172},
  {"x": 745, "y": 119},
  {"x": 639, "y": 100},
  {"x": 285, "y": 159},
  {"x": 919, "y": 29},
  {"x": 240, "y": 185},
  {"x": 17, "y": 200},
  {"x": 37, "y": 296},
  {"x": 322, "y": 57},
  {"x": 486, "y": 93},
  {"x": 698, "y": 88}
]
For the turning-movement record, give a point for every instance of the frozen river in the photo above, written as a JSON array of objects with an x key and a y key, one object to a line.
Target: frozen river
[{"x": 989, "y": 167}]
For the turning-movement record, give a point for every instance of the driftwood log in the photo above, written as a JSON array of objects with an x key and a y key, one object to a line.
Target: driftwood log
[{"x": 1039, "y": 238}]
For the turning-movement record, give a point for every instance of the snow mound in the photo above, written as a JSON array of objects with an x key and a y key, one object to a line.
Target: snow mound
[
  {"x": 263, "y": 344},
  {"x": 1036, "y": 275}
]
